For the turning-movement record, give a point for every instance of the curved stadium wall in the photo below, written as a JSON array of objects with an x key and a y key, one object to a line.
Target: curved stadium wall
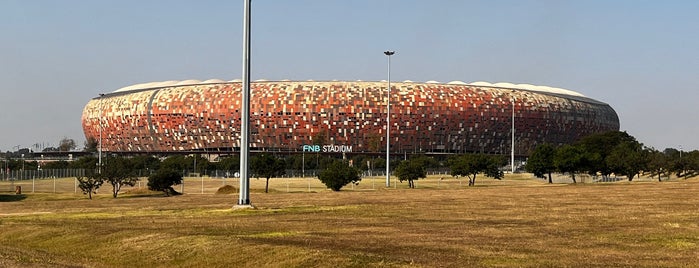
[{"x": 285, "y": 115}]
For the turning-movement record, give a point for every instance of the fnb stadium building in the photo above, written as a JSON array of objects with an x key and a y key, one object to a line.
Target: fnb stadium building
[{"x": 342, "y": 116}]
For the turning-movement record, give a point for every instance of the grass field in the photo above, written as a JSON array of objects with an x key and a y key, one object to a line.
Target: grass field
[{"x": 517, "y": 222}]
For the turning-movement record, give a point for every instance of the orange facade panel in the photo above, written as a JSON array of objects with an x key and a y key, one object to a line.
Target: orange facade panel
[{"x": 286, "y": 115}]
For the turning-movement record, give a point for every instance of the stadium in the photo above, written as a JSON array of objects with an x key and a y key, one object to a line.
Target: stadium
[{"x": 342, "y": 116}]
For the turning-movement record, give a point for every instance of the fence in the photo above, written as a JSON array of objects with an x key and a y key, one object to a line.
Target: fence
[
  {"x": 64, "y": 181},
  {"x": 208, "y": 182}
]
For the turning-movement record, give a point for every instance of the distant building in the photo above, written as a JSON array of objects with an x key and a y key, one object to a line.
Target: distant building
[{"x": 455, "y": 117}]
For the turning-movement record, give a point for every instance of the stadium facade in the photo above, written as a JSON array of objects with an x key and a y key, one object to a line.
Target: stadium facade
[{"x": 342, "y": 116}]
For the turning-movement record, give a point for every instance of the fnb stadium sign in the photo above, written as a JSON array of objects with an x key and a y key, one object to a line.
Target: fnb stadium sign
[{"x": 328, "y": 148}]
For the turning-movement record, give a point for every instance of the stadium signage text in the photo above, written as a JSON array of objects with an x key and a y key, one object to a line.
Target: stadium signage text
[{"x": 327, "y": 148}]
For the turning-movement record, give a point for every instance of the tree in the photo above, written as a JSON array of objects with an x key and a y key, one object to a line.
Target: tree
[
  {"x": 541, "y": 161},
  {"x": 267, "y": 166},
  {"x": 627, "y": 159},
  {"x": 177, "y": 162},
  {"x": 118, "y": 171},
  {"x": 658, "y": 163},
  {"x": 147, "y": 163},
  {"x": 569, "y": 159},
  {"x": 231, "y": 163},
  {"x": 90, "y": 183},
  {"x": 86, "y": 162},
  {"x": 470, "y": 165},
  {"x": 596, "y": 148},
  {"x": 66, "y": 144},
  {"x": 338, "y": 174},
  {"x": 61, "y": 164},
  {"x": 163, "y": 180},
  {"x": 91, "y": 145},
  {"x": 410, "y": 170}
]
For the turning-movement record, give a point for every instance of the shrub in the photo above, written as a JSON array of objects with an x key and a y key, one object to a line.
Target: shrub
[
  {"x": 163, "y": 180},
  {"x": 338, "y": 174}
]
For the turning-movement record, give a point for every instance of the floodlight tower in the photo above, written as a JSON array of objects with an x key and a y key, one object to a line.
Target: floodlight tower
[{"x": 388, "y": 53}]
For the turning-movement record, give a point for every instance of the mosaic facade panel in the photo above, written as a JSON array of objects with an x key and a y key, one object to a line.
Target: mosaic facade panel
[{"x": 287, "y": 115}]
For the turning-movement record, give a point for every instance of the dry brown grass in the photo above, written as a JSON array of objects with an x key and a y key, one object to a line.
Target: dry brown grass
[{"x": 512, "y": 223}]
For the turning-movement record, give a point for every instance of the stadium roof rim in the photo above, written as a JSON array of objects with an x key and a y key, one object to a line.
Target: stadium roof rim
[{"x": 171, "y": 83}]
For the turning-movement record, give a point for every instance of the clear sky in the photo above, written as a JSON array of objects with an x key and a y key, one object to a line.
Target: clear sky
[{"x": 640, "y": 56}]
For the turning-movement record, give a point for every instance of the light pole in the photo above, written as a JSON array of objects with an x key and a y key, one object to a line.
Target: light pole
[
  {"x": 681, "y": 163},
  {"x": 99, "y": 151},
  {"x": 244, "y": 197},
  {"x": 512, "y": 155},
  {"x": 388, "y": 120}
]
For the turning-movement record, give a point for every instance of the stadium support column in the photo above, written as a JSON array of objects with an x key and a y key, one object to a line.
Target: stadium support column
[
  {"x": 244, "y": 199},
  {"x": 388, "y": 121}
]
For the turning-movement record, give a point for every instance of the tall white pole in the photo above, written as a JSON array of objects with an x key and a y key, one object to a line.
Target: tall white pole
[
  {"x": 512, "y": 163},
  {"x": 388, "y": 121},
  {"x": 244, "y": 199},
  {"x": 99, "y": 153}
]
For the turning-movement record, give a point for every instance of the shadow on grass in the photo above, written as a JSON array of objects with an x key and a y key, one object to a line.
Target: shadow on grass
[{"x": 12, "y": 197}]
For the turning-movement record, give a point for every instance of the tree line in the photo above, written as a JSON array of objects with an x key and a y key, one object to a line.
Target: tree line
[
  {"x": 605, "y": 154},
  {"x": 611, "y": 153}
]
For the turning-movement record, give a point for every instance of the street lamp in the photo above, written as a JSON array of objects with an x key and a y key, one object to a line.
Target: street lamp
[
  {"x": 99, "y": 151},
  {"x": 388, "y": 120}
]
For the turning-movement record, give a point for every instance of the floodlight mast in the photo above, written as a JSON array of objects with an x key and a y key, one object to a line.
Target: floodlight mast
[
  {"x": 244, "y": 198},
  {"x": 388, "y": 53}
]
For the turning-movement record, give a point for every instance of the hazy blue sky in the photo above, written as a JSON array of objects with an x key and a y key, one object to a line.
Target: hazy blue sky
[{"x": 639, "y": 56}]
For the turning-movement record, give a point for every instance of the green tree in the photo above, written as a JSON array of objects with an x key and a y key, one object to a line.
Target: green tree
[
  {"x": 163, "y": 180},
  {"x": 176, "y": 162},
  {"x": 658, "y": 163},
  {"x": 628, "y": 158},
  {"x": 118, "y": 171},
  {"x": 469, "y": 165},
  {"x": 90, "y": 183},
  {"x": 596, "y": 148},
  {"x": 148, "y": 163},
  {"x": 569, "y": 159},
  {"x": 56, "y": 165},
  {"x": 541, "y": 161},
  {"x": 338, "y": 174},
  {"x": 91, "y": 145},
  {"x": 230, "y": 164},
  {"x": 86, "y": 162},
  {"x": 66, "y": 144},
  {"x": 267, "y": 166},
  {"x": 410, "y": 170},
  {"x": 693, "y": 163}
]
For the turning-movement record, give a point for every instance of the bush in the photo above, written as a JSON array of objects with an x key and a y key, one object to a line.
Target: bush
[
  {"x": 338, "y": 174},
  {"x": 163, "y": 180}
]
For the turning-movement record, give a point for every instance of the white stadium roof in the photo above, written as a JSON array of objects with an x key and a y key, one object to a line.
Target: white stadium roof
[{"x": 529, "y": 87}]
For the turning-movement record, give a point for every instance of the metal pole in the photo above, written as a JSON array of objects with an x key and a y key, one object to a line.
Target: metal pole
[
  {"x": 388, "y": 121},
  {"x": 99, "y": 157},
  {"x": 512, "y": 163},
  {"x": 244, "y": 198}
]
